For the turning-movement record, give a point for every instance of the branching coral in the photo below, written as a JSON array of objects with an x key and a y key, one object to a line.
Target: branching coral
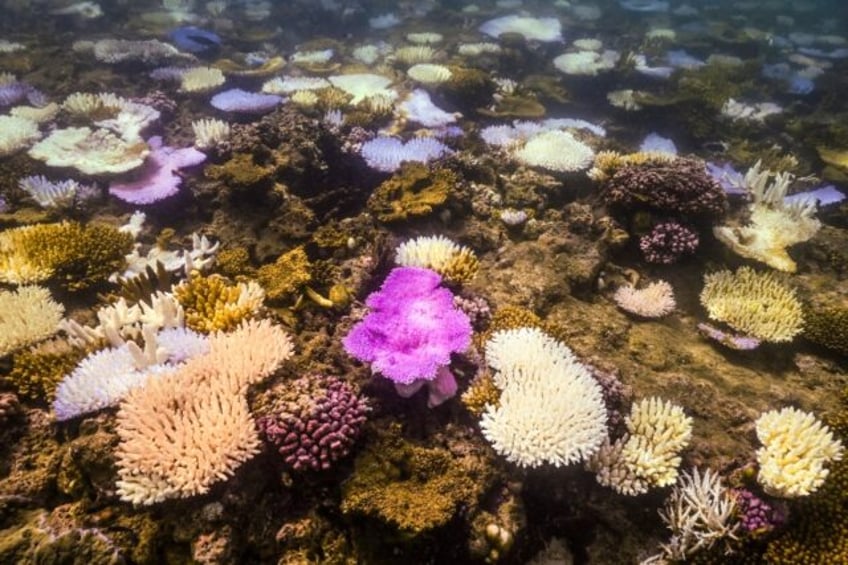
[
  {"x": 649, "y": 454},
  {"x": 754, "y": 303},
  {"x": 36, "y": 371},
  {"x": 78, "y": 256},
  {"x": 210, "y": 304},
  {"x": 27, "y": 315},
  {"x": 551, "y": 410},
  {"x": 456, "y": 263},
  {"x": 796, "y": 448},
  {"x": 774, "y": 224}
]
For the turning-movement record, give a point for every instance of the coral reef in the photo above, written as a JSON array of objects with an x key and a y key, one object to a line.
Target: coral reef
[{"x": 414, "y": 190}]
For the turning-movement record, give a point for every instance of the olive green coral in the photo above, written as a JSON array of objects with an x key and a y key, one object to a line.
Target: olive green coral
[
  {"x": 37, "y": 370},
  {"x": 211, "y": 304},
  {"x": 75, "y": 255},
  {"x": 415, "y": 190},
  {"x": 828, "y": 327},
  {"x": 408, "y": 487},
  {"x": 285, "y": 278}
]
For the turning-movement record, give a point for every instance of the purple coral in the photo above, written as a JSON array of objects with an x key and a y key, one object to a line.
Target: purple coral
[
  {"x": 668, "y": 242},
  {"x": 159, "y": 179},
  {"x": 240, "y": 101},
  {"x": 679, "y": 187},
  {"x": 314, "y": 421},
  {"x": 412, "y": 329},
  {"x": 386, "y": 154},
  {"x": 756, "y": 516}
]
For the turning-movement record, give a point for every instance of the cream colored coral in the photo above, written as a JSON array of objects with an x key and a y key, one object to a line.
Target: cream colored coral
[
  {"x": 556, "y": 150},
  {"x": 754, "y": 303},
  {"x": 27, "y": 315},
  {"x": 428, "y": 73},
  {"x": 210, "y": 132},
  {"x": 201, "y": 79},
  {"x": 773, "y": 225},
  {"x": 181, "y": 434},
  {"x": 16, "y": 133},
  {"x": 796, "y": 449},
  {"x": 413, "y": 54},
  {"x": 653, "y": 301},
  {"x": 550, "y": 410},
  {"x": 93, "y": 152},
  {"x": 648, "y": 455},
  {"x": 432, "y": 252}
]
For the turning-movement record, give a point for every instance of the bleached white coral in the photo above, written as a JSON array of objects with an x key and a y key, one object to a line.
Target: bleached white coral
[
  {"x": 773, "y": 225},
  {"x": 363, "y": 85},
  {"x": 428, "y": 73},
  {"x": 587, "y": 62},
  {"x": 556, "y": 151},
  {"x": 27, "y": 315},
  {"x": 648, "y": 455},
  {"x": 93, "y": 152},
  {"x": 551, "y": 410},
  {"x": 209, "y": 132},
  {"x": 54, "y": 194},
  {"x": 700, "y": 512},
  {"x": 796, "y": 449},
  {"x": 287, "y": 85},
  {"x": 201, "y": 79},
  {"x": 16, "y": 133},
  {"x": 532, "y": 29}
]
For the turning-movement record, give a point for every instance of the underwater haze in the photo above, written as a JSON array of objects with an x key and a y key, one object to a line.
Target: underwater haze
[{"x": 505, "y": 282}]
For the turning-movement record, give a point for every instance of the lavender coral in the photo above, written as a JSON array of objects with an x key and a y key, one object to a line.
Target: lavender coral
[
  {"x": 668, "y": 242},
  {"x": 412, "y": 329},
  {"x": 314, "y": 421}
]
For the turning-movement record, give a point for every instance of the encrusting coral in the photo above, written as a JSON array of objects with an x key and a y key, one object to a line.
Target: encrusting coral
[
  {"x": 211, "y": 304},
  {"x": 754, "y": 303},
  {"x": 414, "y": 190},
  {"x": 284, "y": 279},
  {"x": 75, "y": 255}
]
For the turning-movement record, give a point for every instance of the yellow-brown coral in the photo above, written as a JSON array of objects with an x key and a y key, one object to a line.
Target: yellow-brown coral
[
  {"x": 37, "y": 370},
  {"x": 211, "y": 304},
  {"x": 412, "y": 191},
  {"x": 27, "y": 315},
  {"x": 75, "y": 255},
  {"x": 481, "y": 392},
  {"x": 608, "y": 162},
  {"x": 754, "y": 303},
  {"x": 285, "y": 278}
]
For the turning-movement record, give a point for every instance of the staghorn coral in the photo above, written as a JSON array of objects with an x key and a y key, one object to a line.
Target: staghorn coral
[
  {"x": 77, "y": 256},
  {"x": 679, "y": 187},
  {"x": 38, "y": 370},
  {"x": 285, "y": 278},
  {"x": 415, "y": 190},
  {"x": 27, "y": 315},
  {"x": 313, "y": 421},
  {"x": 210, "y": 304},
  {"x": 754, "y": 303},
  {"x": 480, "y": 393},
  {"x": 796, "y": 449}
]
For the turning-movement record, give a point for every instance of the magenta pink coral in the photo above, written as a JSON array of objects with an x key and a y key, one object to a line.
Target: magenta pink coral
[{"x": 412, "y": 329}]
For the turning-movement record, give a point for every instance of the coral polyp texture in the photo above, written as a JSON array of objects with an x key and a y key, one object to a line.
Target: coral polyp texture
[
  {"x": 456, "y": 263},
  {"x": 313, "y": 421},
  {"x": 653, "y": 301},
  {"x": 667, "y": 243},
  {"x": 550, "y": 410},
  {"x": 754, "y": 303},
  {"x": 796, "y": 451},
  {"x": 211, "y": 304},
  {"x": 678, "y": 187}
]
